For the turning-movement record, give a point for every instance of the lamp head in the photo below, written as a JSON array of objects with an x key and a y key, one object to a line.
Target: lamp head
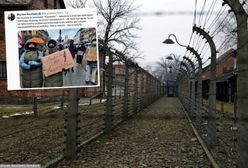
[{"x": 168, "y": 41}]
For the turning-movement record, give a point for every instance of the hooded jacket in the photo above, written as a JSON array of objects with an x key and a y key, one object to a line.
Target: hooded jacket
[
  {"x": 31, "y": 66},
  {"x": 55, "y": 80}
]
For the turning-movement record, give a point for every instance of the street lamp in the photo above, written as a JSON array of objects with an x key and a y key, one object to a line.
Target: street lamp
[
  {"x": 171, "y": 58},
  {"x": 170, "y": 41},
  {"x": 171, "y": 66}
]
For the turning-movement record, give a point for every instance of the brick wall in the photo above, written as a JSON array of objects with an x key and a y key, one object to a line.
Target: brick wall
[
  {"x": 2, "y": 30},
  {"x": 225, "y": 63},
  {"x": 2, "y": 44},
  {"x": 36, "y": 4}
]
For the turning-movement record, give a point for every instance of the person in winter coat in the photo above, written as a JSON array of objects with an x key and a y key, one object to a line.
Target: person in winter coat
[
  {"x": 31, "y": 66},
  {"x": 55, "y": 80},
  {"x": 73, "y": 51},
  {"x": 91, "y": 67},
  {"x": 80, "y": 53}
]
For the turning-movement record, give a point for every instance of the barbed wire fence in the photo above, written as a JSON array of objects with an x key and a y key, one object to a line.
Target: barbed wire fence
[{"x": 61, "y": 128}]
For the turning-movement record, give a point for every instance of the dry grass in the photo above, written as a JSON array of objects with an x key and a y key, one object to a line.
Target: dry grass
[{"x": 227, "y": 107}]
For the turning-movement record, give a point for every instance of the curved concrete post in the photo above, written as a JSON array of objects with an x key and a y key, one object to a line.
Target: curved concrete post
[
  {"x": 211, "y": 129},
  {"x": 242, "y": 82},
  {"x": 193, "y": 87},
  {"x": 199, "y": 89},
  {"x": 185, "y": 86},
  {"x": 189, "y": 91}
]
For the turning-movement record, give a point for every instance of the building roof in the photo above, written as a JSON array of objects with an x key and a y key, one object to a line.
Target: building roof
[
  {"x": 15, "y": 2},
  {"x": 223, "y": 56},
  {"x": 225, "y": 77}
]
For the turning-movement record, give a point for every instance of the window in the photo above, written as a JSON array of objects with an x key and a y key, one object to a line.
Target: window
[{"x": 3, "y": 70}]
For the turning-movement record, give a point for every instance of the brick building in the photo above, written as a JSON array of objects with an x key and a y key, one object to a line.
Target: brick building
[
  {"x": 11, "y": 5},
  {"x": 225, "y": 77}
]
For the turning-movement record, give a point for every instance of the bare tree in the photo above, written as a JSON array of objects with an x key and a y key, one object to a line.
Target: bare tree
[
  {"x": 227, "y": 36},
  {"x": 167, "y": 69},
  {"x": 76, "y": 3},
  {"x": 116, "y": 23},
  {"x": 228, "y": 30},
  {"x": 115, "y": 28}
]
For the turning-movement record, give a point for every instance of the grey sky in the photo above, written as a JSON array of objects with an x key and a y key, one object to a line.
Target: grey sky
[
  {"x": 156, "y": 28},
  {"x": 54, "y": 33}
]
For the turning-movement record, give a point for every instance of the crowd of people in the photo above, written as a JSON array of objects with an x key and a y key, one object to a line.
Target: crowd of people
[{"x": 30, "y": 60}]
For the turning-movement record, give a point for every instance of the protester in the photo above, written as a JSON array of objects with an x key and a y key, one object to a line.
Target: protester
[
  {"x": 91, "y": 67},
  {"x": 80, "y": 53},
  {"x": 55, "y": 80},
  {"x": 73, "y": 50},
  {"x": 31, "y": 66}
]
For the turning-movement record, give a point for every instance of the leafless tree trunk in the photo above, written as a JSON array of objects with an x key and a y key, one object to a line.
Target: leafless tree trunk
[
  {"x": 76, "y": 3},
  {"x": 166, "y": 69},
  {"x": 227, "y": 37},
  {"x": 115, "y": 24}
]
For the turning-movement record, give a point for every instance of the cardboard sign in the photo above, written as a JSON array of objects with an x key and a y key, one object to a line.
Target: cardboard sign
[
  {"x": 80, "y": 53},
  {"x": 55, "y": 62},
  {"x": 91, "y": 54}
]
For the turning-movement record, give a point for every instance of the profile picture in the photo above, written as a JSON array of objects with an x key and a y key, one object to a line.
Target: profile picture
[{"x": 11, "y": 17}]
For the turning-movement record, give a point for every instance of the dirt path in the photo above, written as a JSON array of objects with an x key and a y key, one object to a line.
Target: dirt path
[{"x": 158, "y": 137}]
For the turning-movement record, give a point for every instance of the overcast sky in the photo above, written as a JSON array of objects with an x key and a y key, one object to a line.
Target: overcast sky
[
  {"x": 54, "y": 33},
  {"x": 156, "y": 28}
]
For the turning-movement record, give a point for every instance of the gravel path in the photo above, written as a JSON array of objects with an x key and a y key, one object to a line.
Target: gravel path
[{"x": 158, "y": 137}]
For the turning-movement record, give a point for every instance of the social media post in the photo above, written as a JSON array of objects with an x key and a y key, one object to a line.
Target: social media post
[{"x": 52, "y": 49}]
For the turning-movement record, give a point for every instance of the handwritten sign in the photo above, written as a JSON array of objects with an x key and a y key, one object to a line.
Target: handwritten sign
[
  {"x": 91, "y": 54},
  {"x": 55, "y": 62},
  {"x": 80, "y": 53}
]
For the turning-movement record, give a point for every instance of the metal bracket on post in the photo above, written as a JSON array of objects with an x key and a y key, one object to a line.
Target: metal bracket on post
[{"x": 211, "y": 130}]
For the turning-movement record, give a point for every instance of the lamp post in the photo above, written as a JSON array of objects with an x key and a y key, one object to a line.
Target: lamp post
[
  {"x": 172, "y": 84},
  {"x": 169, "y": 58},
  {"x": 169, "y": 41},
  {"x": 173, "y": 57},
  {"x": 199, "y": 84}
]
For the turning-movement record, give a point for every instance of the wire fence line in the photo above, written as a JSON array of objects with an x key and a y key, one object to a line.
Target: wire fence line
[
  {"x": 60, "y": 128},
  {"x": 218, "y": 132}
]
